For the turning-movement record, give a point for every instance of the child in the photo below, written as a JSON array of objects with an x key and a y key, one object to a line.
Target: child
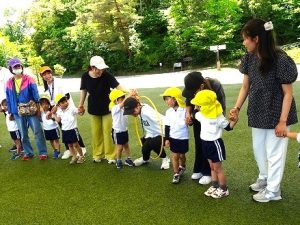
[
  {"x": 295, "y": 135},
  {"x": 51, "y": 130},
  {"x": 176, "y": 130},
  {"x": 13, "y": 130},
  {"x": 70, "y": 133},
  {"x": 119, "y": 127},
  {"x": 151, "y": 122},
  {"x": 212, "y": 121}
]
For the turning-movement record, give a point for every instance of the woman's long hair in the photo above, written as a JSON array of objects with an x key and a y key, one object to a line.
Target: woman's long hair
[{"x": 266, "y": 49}]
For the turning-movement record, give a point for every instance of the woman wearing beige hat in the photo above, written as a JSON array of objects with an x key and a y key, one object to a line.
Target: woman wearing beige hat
[{"x": 96, "y": 84}]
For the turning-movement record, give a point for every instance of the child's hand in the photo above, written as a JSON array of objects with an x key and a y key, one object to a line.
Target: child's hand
[
  {"x": 167, "y": 143},
  {"x": 48, "y": 115},
  {"x": 133, "y": 92},
  {"x": 81, "y": 110}
]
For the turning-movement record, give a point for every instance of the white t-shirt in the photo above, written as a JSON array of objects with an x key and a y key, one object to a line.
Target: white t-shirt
[
  {"x": 153, "y": 122},
  {"x": 5, "y": 74},
  {"x": 68, "y": 118},
  {"x": 48, "y": 124},
  {"x": 176, "y": 120},
  {"x": 119, "y": 121},
  {"x": 211, "y": 129},
  {"x": 11, "y": 124}
]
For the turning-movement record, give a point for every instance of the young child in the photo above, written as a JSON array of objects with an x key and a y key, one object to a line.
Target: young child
[
  {"x": 119, "y": 127},
  {"x": 295, "y": 135},
  {"x": 70, "y": 134},
  {"x": 151, "y": 123},
  {"x": 212, "y": 122},
  {"x": 13, "y": 130},
  {"x": 50, "y": 126},
  {"x": 176, "y": 130}
]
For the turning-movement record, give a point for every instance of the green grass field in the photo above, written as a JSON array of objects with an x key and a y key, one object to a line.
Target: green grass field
[{"x": 53, "y": 192}]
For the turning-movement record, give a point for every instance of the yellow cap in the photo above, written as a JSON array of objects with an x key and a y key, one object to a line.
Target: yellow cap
[
  {"x": 45, "y": 96},
  {"x": 210, "y": 107},
  {"x": 58, "y": 97},
  {"x": 114, "y": 95},
  {"x": 44, "y": 68},
  {"x": 176, "y": 93}
]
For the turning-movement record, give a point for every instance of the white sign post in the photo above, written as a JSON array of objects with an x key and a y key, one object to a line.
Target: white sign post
[{"x": 216, "y": 49}]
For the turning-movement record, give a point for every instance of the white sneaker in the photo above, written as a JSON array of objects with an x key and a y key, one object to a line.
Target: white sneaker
[
  {"x": 210, "y": 191},
  {"x": 83, "y": 152},
  {"x": 140, "y": 161},
  {"x": 196, "y": 176},
  {"x": 66, "y": 155},
  {"x": 259, "y": 185},
  {"x": 220, "y": 193},
  {"x": 266, "y": 196},
  {"x": 205, "y": 180},
  {"x": 111, "y": 161},
  {"x": 165, "y": 163}
]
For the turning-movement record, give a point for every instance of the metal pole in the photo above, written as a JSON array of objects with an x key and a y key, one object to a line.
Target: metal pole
[{"x": 218, "y": 60}]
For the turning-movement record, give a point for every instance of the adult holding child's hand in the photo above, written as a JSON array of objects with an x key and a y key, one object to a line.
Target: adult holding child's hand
[
  {"x": 96, "y": 83},
  {"x": 268, "y": 76}
]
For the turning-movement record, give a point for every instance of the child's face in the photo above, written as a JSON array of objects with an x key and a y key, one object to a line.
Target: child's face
[
  {"x": 136, "y": 111},
  {"x": 171, "y": 102},
  {"x": 45, "y": 105},
  {"x": 120, "y": 100},
  {"x": 63, "y": 104},
  {"x": 4, "y": 106}
]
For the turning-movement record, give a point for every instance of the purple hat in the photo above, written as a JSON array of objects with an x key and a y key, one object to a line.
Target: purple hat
[{"x": 14, "y": 62}]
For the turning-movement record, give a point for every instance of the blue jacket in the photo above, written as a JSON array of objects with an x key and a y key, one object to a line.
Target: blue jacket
[{"x": 28, "y": 91}]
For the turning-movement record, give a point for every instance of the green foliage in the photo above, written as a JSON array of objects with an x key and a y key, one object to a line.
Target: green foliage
[
  {"x": 294, "y": 54},
  {"x": 8, "y": 50},
  {"x": 35, "y": 62},
  {"x": 59, "y": 70}
]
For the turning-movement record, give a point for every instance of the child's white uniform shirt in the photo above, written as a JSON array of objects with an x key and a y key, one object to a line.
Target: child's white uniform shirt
[
  {"x": 211, "y": 129},
  {"x": 48, "y": 124},
  {"x": 176, "y": 120},
  {"x": 68, "y": 117},
  {"x": 153, "y": 122},
  {"x": 10, "y": 124},
  {"x": 119, "y": 121}
]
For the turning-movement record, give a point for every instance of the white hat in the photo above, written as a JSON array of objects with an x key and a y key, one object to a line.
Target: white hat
[{"x": 98, "y": 62}]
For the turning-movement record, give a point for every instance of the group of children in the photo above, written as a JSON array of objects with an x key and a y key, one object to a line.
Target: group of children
[
  {"x": 208, "y": 111},
  {"x": 174, "y": 135},
  {"x": 64, "y": 115}
]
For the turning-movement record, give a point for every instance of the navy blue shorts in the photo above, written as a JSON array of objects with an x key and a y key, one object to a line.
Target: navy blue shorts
[
  {"x": 120, "y": 138},
  {"x": 70, "y": 136},
  {"x": 52, "y": 134},
  {"x": 214, "y": 150},
  {"x": 179, "y": 146},
  {"x": 15, "y": 135}
]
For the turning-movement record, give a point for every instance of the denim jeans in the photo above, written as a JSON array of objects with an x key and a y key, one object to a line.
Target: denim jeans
[{"x": 24, "y": 122}]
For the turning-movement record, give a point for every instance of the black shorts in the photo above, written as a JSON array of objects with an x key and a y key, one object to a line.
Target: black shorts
[
  {"x": 214, "y": 150},
  {"x": 15, "y": 135},
  {"x": 179, "y": 146},
  {"x": 120, "y": 138},
  {"x": 52, "y": 134},
  {"x": 70, "y": 136}
]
